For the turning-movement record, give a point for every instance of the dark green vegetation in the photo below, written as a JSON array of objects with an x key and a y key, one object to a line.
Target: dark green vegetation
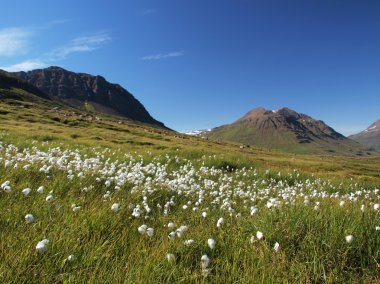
[
  {"x": 287, "y": 130},
  {"x": 106, "y": 244},
  {"x": 369, "y": 137}
]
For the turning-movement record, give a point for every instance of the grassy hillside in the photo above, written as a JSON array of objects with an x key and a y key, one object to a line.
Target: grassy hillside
[
  {"x": 370, "y": 139},
  {"x": 274, "y": 217},
  {"x": 288, "y": 131}
]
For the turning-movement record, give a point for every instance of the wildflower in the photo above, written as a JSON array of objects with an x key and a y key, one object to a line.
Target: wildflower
[
  {"x": 188, "y": 242},
  {"x": 50, "y": 198},
  {"x": 115, "y": 207},
  {"x": 252, "y": 239},
  {"x": 349, "y": 238},
  {"x": 42, "y": 245},
  {"x": 7, "y": 189},
  {"x": 170, "y": 257},
  {"x": 107, "y": 195},
  {"x": 71, "y": 258},
  {"x": 205, "y": 261},
  {"x": 220, "y": 222},
  {"x": 211, "y": 243},
  {"x": 276, "y": 247},
  {"x": 181, "y": 230},
  {"x": 40, "y": 189},
  {"x": 150, "y": 232},
  {"x": 75, "y": 208},
  {"x": 259, "y": 235},
  {"x": 171, "y": 235},
  {"x": 142, "y": 229},
  {"x": 29, "y": 218},
  {"x": 6, "y": 183},
  {"x": 26, "y": 191}
]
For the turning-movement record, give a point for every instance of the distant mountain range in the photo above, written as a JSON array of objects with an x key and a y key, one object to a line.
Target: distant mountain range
[
  {"x": 370, "y": 136},
  {"x": 92, "y": 93},
  {"x": 284, "y": 129}
]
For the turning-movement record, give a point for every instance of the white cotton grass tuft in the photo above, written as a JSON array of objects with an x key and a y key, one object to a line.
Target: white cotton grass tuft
[
  {"x": 29, "y": 218},
  {"x": 26, "y": 191},
  {"x": 107, "y": 195},
  {"x": 40, "y": 189},
  {"x": 349, "y": 238},
  {"x": 377, "y": 228},
  {"x": 211, "y": 243},
  {"x": 376, "y": 206},
  {"x": 220, "y": 222},
  {"x": 189, "y": 242},
  {"x": 170, "y": 257},
  {"x": 75, "y": 208},
  {"x": 205, "y": 261},
  {"x": 171, "y": 235},
  {"x": 150, "y": 232},
  {"x": 204, "y": 214},
  {"x": 71, "y": 258},
  {"x": 181, "y": 230},
  {"x": 6, "y": 186},
  {"x": 142, "y": 229},
  {"x": 50, "y": 197},
  {"x": 42, "y": 245},
  {"x": 171, "y": 225},
  {"x": 252, "y": 239},
  {"x": 259, "y": 235},
  {"x": 276, "y": 247},
  {"x": 6, "y": 183},
  {"x": 115, "y": 207}
]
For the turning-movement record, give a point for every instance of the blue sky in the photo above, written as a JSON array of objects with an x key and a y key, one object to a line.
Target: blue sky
[{"x": 197, "y": 64}]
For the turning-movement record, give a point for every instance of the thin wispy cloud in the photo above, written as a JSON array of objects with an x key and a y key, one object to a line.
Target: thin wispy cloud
[
  {"x": 25, "y": 65},
  {"x": 160, "y": 56},
  {"x": 14, "y": 41},
  {"x": 79, "y": 44}
]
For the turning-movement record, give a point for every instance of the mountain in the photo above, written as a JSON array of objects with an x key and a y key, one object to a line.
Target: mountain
[
  {"x": 287, "y": 130},
  {"x": 369, "y": 137},
  {"x": 12, "y": 87},
  {"x": 88, "y": 92}
]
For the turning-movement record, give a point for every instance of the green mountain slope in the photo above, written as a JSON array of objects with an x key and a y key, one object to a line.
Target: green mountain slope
[
  {"x": 287, "y": 130},
  {"x": 369, "y": 137}
]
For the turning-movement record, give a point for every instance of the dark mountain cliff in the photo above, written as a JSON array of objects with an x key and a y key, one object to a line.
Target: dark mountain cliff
[{"x": 89, "y": 92}]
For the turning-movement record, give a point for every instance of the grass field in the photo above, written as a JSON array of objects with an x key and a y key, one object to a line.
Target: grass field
[{"x": 283, "y": 218}]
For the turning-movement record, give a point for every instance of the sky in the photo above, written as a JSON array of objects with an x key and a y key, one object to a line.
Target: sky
[{"x": 197, "y": 64}]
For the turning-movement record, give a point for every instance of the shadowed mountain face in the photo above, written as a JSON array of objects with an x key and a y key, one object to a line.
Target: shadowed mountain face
[
  {"x": 9, "y": 83},
  {"x": 89, "y": 92},
  {"x": 285, "y": 129},
  {"x": 369, "y": 137}
]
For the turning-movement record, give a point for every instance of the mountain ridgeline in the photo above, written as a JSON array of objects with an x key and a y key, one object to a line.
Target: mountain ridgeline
[
  {"x": 370, "y": 136},
  {"x": 9, "y": 83},
  {"x": 285, "y": 129},
  {"x": 89, "y": 92}
]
